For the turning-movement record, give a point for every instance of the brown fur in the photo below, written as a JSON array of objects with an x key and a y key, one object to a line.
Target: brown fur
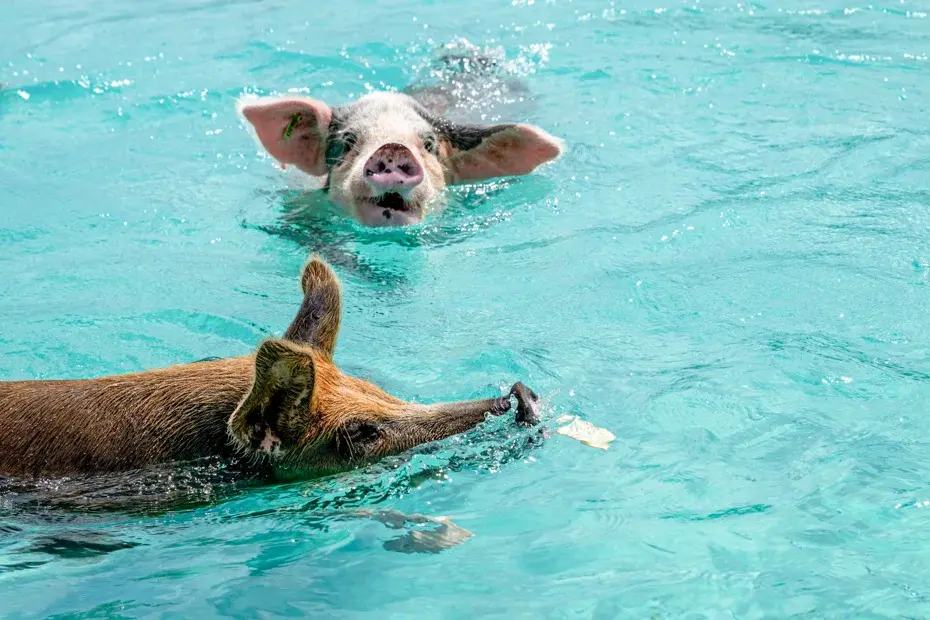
[
  {"x": 121, "y": 422},
  {"x": 288, "y": 402},
  {"x": 303, "y": 411},
  {"x": 317, "y": 321}
]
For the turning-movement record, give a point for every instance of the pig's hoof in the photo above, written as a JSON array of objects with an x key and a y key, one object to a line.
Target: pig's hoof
[{"x": 527, "y": 404}]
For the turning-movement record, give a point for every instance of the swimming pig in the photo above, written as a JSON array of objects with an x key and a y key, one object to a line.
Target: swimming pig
[
  {"x": 288, "y": 404},
  {"x": 387, "y": 156}
]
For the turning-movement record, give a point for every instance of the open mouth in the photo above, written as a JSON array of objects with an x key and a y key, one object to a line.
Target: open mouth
[
  {"x": 389, "y": 209},
  {"x": 392, "y": 201},
  {"x": 394, "y": 208}
]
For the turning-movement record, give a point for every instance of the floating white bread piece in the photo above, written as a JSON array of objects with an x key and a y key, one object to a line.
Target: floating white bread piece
[
  {"x": 445, "y": 536},
  {"x": 448, "y": 535},
  {"x": 586, "y": 433}
]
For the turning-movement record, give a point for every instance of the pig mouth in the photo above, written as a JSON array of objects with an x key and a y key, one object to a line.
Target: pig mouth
[
  {"x": 389, "y": 209},
  {"x": 392, "y": 201}
]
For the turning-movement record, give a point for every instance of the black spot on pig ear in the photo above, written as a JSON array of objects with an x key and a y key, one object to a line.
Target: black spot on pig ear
[
  {"x": 467, "y": 137},
  {"x": 478, "y": 152}
]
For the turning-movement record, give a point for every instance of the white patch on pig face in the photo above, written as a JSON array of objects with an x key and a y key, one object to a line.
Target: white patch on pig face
[
  {"x": 357, "y": 133},
  {"x": 270, "y": 443}
]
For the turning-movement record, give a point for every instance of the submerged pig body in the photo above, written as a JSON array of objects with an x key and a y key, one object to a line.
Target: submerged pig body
[
  {"x": 287, "y": 404},
  {"x": 187, "y": 412},
  {"x": 387, "y": 157}
]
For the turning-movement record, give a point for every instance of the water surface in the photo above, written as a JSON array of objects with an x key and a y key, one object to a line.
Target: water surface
[{"x": 729, "y": 269}]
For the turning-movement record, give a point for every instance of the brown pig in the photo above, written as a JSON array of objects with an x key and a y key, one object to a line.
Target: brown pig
[{"x": 286, "y": 404}]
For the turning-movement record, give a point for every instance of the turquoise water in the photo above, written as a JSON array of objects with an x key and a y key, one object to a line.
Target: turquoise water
[{"x": 729, "y": 269}]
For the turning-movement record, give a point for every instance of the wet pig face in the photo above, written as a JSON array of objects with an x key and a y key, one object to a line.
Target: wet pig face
[
  {"x": 386, "y": 158},
  {"x": 303, "y": 412}
]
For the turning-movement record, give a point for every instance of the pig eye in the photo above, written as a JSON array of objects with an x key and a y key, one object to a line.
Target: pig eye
[
  {"x": 429, "y": 143},
  {"x": 337, "y": 148},
  {"x": 348, "y": 140},
  {"x": 355, "y": 438}
]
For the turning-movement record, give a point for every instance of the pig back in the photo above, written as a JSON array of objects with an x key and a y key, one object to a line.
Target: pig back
[{"x": 122, "y": 422}]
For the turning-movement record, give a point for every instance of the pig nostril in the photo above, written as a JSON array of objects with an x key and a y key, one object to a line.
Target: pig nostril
[{"x": 394, "y": 167}]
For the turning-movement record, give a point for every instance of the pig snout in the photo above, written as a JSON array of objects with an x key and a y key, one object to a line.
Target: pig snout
[
  {"x": 527, "y": 404},
  {"x": 393, "y": 168}
]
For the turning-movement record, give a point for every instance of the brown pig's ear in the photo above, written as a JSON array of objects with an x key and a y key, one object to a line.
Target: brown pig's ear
[
  {"x": 477, "y": 153},
  {"x": 280, "y": 364},
  {"x": 292, "y": 129},
  {"x": 277, "y": 408},
  {"x": 317, "y": 321}
]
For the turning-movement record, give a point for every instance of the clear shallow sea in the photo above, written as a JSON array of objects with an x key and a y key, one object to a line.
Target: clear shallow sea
[{"x": 729, "y": 269}]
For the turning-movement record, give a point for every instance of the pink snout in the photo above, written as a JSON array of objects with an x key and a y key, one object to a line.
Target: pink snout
[{"x": 393, "y": 168}]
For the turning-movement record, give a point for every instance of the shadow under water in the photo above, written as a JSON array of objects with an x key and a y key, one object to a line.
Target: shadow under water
[
  {"x": 44, "y": 520},
  {"x": 150, "y": 491}
]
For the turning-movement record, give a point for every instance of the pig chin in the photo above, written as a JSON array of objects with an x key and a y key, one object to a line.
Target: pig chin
[
  {"x": 390, "y": 208},
  {"x": 381, "y": 212}
]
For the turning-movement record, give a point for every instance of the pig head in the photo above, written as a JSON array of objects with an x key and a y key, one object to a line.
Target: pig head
[{"x": 386, "y": 157}]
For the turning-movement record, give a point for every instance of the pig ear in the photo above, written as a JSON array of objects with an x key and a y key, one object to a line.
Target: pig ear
[
  {"x": 280, "y": 364},
  {"x": 277, "y": 408},
  {"x": 292, "y": 129},
  {"x": 478, "y": 153},
  {"x": 317, "y": 321}
]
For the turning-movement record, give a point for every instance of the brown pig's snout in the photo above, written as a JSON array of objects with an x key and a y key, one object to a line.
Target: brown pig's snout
[
  {"x": 527, "y": 404},
  {"x": 393, "y": 167}
]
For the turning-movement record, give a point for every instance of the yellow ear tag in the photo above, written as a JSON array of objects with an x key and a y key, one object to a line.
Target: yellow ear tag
[{"x": 290, "y": 126}]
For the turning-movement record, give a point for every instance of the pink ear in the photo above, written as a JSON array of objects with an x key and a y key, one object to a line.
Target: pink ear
[
  {"x": 292, "y": 129},
  {"x": 514, "y": 150}
]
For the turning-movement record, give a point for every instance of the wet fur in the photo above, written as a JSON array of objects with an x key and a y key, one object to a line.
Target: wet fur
[
  {"x": 135, "y": 420},
  {"x": 374, "y": 120},
  {"x": 320, "y": 418},
  {"x": 121, "y": 422},
  {"x": 287, "y": 404}
]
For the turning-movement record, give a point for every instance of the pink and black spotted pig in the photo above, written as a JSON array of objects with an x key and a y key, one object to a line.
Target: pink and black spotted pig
[{"x": 387, "y": 156}]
